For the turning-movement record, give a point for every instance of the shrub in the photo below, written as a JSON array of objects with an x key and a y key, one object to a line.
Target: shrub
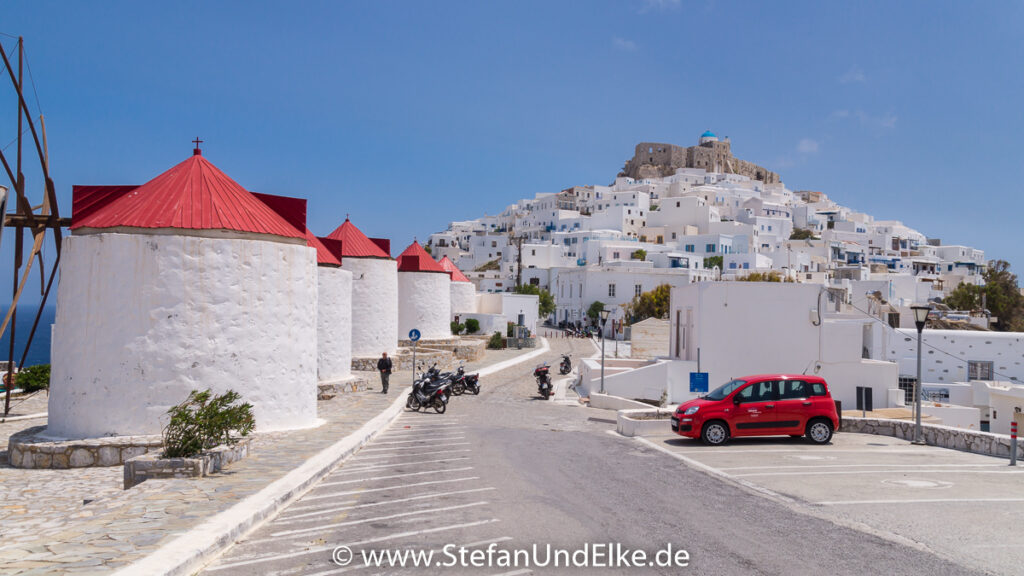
[
  {"x": 457, "y": 328},
  {"x": 510, "y": 329},
  {"x": 472, "y": 326},
  {"x": 33, "y": 378},
  {"x": 496, "y": 342},
  {"x": 203, "y": 421}
]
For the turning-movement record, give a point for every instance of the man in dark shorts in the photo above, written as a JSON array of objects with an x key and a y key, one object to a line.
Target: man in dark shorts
[{"x": 384, "y": 367}]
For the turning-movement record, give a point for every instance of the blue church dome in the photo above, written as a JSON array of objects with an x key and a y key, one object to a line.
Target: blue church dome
[{"x": 708, "y": 134}]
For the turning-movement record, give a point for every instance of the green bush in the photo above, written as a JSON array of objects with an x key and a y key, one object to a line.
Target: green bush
[
  {"x": 496, "y": 342},
  {"x": 33, "y": 378},
  {"x": 203, "y": 421},
  {"x": 472, "y": 326},
  {"x": 457, "y": 328}
]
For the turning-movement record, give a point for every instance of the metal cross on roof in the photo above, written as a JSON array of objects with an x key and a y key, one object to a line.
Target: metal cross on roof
[{"x": 196, "y": 150}]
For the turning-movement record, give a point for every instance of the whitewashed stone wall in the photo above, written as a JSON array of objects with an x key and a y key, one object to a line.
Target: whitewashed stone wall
[
  {"x": 144, "y": 319},
  {"x": 333, "y": 324},
  {"x": 463, "y": 297},
  {"x": 374, "y": 305},
  {"x": 424, "y": 303}
]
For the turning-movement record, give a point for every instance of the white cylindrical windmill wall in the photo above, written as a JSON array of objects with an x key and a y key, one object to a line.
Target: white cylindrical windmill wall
[
  {"x": 424, "y": 303},
  {"x": 463, "y": 297},
  {"x": 374, "y": 305},
  {"x": 334, "y": 324},
  {"x": 142, "y": 320}
]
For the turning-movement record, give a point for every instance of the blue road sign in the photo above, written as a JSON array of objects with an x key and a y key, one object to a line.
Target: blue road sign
[
  {"x": 699, "y": 382},
  {"x": 414, "y": 334}
]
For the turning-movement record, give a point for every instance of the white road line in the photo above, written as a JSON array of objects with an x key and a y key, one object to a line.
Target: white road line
[
  {"x": 318, "y": 550},
  {"x": 356, "y": 470},
  {"x": 921, "y": 501},
  {"x": 421, "y": 430},
  {"x": 363, "y": 491},
  {"x": 844, "y": 472},
  {"x": 388, "y": 450},
  {"x": 359, "y": 567},
  {"x": 384, "y": 457},
  {"x": 322, "y": 527},
  {"x": 426, "y": 439},
  {"x": 711, "y": 470},
  {"x": 375, "y": 478},
  {"x": 488, "y": 541},
  {"x": 516, "y": 572},
  {"x": 816, "y": 466},
  {"x": 327, "y": 511}
]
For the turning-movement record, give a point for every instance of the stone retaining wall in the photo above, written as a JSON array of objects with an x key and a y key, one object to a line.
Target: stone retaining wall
[
  {"x": 148, "y": 466},
  {"x": 328, "y": 390},
  {"x": 936, "y": 435},
  {"x": 28, "y": 449},
  {"x": 644, "y": 422}
]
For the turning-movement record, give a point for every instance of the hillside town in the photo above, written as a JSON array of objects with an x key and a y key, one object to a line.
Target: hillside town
[{"x": 704, "y": 222}]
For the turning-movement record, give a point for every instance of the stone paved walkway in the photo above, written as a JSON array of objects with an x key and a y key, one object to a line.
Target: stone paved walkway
[{"x": 80, "y": 521}]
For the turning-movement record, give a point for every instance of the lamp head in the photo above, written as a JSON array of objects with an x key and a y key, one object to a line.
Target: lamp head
[
  {"x": 604, "y": 315},
  {"x": 920, "y": 315}
]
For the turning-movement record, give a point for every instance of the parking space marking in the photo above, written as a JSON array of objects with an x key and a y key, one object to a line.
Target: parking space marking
[
  {"x": 816, "y": 466},
  {"x": 845, "y": 472},
  {"x": 322, "y": 527},
  {"x": 320, "y": 549},
  {"x": 516, "y": 572},
  {"x": 358, "y": 480},
  {"x": 384, "y": 457},
  {"x": 351, "y": 506},
  {"x": 457, "y": 436},
  {"x": 389, "y": 450},
  {"x": 344, "y": 471},
  {"x": 364, "y": 490},
  {"x": 918, "y": 501}
]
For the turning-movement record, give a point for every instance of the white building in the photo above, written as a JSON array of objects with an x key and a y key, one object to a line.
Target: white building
[
  {"x": 187, "y": 282},
  {"x": 424, "y": 295}
]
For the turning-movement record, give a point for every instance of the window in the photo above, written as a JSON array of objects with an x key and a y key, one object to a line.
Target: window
[
  {"x": 689, "y": 248},
  {"x": 611, "y": 290},
  {"x": 977, "y": 370},
  {"x": 615, "y": 255},
  {"x": 677, "y": 204},
  {"x": 792, "y": 389},
  {"x": 673, "y": 235},
  {"x": 709, "y": 248},
  {"x": 494, "y": 244},
  {"x": 817, "y": 389},
  {"x": 759, "y": 392},
  {"x": 638, "y": 290},
  {"x": 746, "y": 265},
  {"x": 732, "y": 265},
  {"x": 533, "y": 252}
]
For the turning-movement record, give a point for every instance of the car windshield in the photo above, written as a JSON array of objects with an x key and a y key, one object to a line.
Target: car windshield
[{"x": 725, "y": 389}]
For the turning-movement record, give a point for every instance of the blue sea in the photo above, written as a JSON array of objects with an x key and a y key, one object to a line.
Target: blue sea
[{"x": 40, "y": 351}]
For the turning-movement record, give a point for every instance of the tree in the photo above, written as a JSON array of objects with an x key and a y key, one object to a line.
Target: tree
[
  {"x": 770, "y": 276},
  {"x": 33, "y": 378},
  {"x": 472, "y": 325},
  {"x": 546, "y": 302},
  {"x": 427, "y": 249},
  {"x": 802, "y": 234},
  {"x": 1002, "y": 296},
  {"x": 653, "y": 304},
  {"x": 640, "y": 254},
  {"x": 594, "y": 312},
  {"x": 712, "y": 261}
]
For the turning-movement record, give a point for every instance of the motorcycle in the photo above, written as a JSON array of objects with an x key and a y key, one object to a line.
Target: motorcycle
[
  {"x": 566, "y": 366},
  {"x": 543, "y": 380},
  {"x": 429, "y": 391},
  {"x": 461, "y": 382}
]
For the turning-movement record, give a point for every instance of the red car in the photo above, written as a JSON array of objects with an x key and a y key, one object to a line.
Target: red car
[{"x": 764, "y": 405}]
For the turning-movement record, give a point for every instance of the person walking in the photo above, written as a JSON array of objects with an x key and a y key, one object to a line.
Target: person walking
[{"x": 384, "y": 366}]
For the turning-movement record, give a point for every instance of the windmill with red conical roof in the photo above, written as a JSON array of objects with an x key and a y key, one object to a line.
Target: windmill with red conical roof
[{"x": 424, "y": 295}]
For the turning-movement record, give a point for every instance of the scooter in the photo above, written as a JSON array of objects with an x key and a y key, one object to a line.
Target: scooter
[
  {"x": 461, "y": 382},
  {"x": 543, "y": 380},
  {"x": 566, "y": 366},
  {"x": 430, "y": 391}
]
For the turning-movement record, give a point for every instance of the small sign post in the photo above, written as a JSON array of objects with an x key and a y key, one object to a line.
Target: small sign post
[
  {"x": 699, "y": 382},
  {"x": 414, "y": 335},
  {"x": 1013, "y": 443}
]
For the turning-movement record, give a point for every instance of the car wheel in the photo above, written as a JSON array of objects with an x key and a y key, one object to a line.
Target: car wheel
[
  {"x": 714, "y": 433},
  {"x": 819, "y": 431}
]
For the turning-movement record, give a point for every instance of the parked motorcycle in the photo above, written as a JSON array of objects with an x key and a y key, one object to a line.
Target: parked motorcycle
[
  {"x": 543, "y": 380},
  {"x": 462, "y": 382},
  {"x": 566, "y": 366},
  {"x": 430, "y": 391}
]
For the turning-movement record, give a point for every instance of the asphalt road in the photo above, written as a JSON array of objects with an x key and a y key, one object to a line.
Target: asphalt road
[{"x": 508, "y": 470}]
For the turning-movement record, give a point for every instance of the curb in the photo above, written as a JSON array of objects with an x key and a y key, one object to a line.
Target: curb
[
  {"x": 25, "y": 417},
  {"x": 194, "y": 549}
]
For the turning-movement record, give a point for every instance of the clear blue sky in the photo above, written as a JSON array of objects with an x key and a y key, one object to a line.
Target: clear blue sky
[{"x": 410, "y": 115}]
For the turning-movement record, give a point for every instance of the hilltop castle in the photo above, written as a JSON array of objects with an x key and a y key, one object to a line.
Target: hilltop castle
[{"x": 656, "y": 160}]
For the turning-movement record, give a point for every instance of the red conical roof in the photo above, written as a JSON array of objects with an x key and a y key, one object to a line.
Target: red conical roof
[
  {"x": 193, "y": 195},
  {"x": 416, "y": 259},
  {"x": 452, "y": 270},
  {"x": 355, "y": 244},
  {"x": 324, "y": 256}
]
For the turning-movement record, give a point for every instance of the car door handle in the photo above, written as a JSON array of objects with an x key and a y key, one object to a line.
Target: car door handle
[
  {"x": 769, "y": 405},
  {"x": 807, "y": 403}
]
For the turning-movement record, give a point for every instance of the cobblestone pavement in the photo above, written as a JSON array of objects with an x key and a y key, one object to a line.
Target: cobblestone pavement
[{"x": 80, "y": 521}]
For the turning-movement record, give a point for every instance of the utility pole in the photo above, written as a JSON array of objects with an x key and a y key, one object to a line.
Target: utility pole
[{"x": 518, "y": 241}]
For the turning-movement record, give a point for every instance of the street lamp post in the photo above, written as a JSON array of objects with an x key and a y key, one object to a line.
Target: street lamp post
[
  {"x": 920, "y": 316},
  {"x": 604, "y": 320}
]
